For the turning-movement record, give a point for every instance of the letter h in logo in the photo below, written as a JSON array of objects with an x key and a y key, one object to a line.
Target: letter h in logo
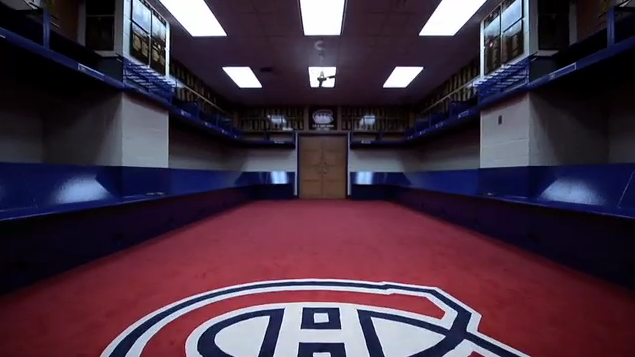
[
  {"x": 321, "y": 331},
  {"x": 321, "y": 318}
]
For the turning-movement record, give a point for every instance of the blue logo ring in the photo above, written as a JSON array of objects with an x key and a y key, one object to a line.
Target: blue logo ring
[{"x": 131, "y": 342}]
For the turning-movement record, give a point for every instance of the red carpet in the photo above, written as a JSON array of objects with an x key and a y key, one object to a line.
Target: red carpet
[{"x": 537, "y": 307}]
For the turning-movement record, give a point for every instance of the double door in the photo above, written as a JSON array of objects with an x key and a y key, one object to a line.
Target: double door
[{"x": 323, "y": 167}]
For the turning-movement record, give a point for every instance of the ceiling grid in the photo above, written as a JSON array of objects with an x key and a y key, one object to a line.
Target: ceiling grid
[{"x": 377, "y": 35}]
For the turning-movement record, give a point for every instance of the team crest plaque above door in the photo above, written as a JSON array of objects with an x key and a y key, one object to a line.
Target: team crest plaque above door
[{"x": 323, "y": 118}]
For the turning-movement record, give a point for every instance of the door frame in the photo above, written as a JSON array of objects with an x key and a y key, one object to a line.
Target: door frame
[{"x": 298, "y": 152}]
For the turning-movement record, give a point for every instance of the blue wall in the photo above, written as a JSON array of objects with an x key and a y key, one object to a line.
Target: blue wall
[
  {"x": 55, "y": 217},
  {"x": 581, "y": 216}
]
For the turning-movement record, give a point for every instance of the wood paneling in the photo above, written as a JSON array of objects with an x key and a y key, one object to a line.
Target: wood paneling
[
  {"x": 391, "y": 119},
  {"x": 334, "y": 156},
  {"x": 453, "y": 89},
  {"x": 311, "y": 167},
  {"x": 323, "y": 167},
  {"x": 271, "y": 119},
  {"x": 195, "y": 90}
]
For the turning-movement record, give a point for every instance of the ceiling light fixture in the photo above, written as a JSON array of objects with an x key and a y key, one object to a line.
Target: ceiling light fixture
[
  {"x": 322, "y": 17},
  {"x": 402, "y": 76},
  {"x": 314, "y": 73},
  {"x": 196, "y": 17},
  {"x": 244, "y": 77},
  {"x": 450, "y": 16}
]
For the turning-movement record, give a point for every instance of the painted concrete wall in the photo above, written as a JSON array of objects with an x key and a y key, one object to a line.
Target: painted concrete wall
[
  {"x": 114, "y": 129},
  {"x": 388, "y": 160},
  {"x": 195, "y": 151},
  {"x": 455, "y": 152},
  {"x": 567, "y": 129},
  {"x": 265, "y": 160},
  {"x": 84, "y": 131},
  {"x": 21, "y": 131},
  {"x": 550, "y": 127},
  {"x": 505, "y": 134},
  {"x": 621, "y": 113},
  {"x": 145, "y": 138}
]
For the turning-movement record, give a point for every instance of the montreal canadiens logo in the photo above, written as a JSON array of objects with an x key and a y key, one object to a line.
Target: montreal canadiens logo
[
  {"x": 344, "y": 318},
  {"x": 323, "y": 116}
]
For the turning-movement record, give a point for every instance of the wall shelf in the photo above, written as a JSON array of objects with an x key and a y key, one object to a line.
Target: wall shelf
[
  {"x": 603, "y": 59},
  {"x": 515, "y": 80},
  {"x": 134, "y": 79}
]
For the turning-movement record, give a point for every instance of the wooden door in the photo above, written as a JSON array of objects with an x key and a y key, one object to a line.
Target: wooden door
[
  {"x": 311, "y": 168},
  {"x": 323, "y": 167},
  {"x": 334, "y": 160}
]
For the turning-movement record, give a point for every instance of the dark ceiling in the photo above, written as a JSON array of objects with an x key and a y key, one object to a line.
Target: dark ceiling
[{"x": 377, "y": 35}]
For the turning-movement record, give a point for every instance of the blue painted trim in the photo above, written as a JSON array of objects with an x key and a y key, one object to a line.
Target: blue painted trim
[
  {"x": 597, "y": 244},
  {"x": 46, "y": 28},
  {"x": 610, "y": 27},
  {"x": 581, "y": 216},
  {"x": 32, "y": 190},
  {"x": 47, "y": 245},
  {"x": 607, "y": 190},
  {"x": 38, "y": 49}
]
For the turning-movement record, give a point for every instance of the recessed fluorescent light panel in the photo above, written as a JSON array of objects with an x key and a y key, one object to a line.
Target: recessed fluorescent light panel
[
  {"x": 314, "y": 73},
  {"x": 196, "y": 17},
  {"x": 450, "y": 16},
  {"x": 322, "y": 17},
  {"x": 402, "y": 76},
  {"x": 244, "y": 77}
]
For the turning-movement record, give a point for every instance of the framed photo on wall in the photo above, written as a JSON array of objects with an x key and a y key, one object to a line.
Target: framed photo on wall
[
  {"x": 141, "y": 14},
  {"x": 140, "y": 31},
  {"x": 513, "y": 42},
  {"x": 139, "y": 44},
  {"x": 492, "y": 40},
  {"x": 503, "y": 36},
  {"x": 159, "y": 28},
  {"x": 158, "y": 46},
  {"x": 511, "y": 13}
]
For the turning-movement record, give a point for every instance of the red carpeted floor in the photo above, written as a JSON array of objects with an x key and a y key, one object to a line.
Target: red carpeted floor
[{"x": 536, "y": 306}]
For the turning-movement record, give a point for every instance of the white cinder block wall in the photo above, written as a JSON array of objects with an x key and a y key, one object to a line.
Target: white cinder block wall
[
  {"x": 116, "y": 130},
  {"x": 388, "y": 160},
  {"x": 378, "y": 160},
  {"x": 460, "y": 151},
  {"x": 622, "y": 136},
  {"x": 265, "y": 160},
  {"x": 195, "y": 151},
  {"x": 621, "y": 113},
  {"x": 145, "y": 136},
  {"x": 567, "y": 129},
  {"x": 505, "y": 134},
  {"x": 85, "y": 131},
  {"x": 21, "y": 131}
]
